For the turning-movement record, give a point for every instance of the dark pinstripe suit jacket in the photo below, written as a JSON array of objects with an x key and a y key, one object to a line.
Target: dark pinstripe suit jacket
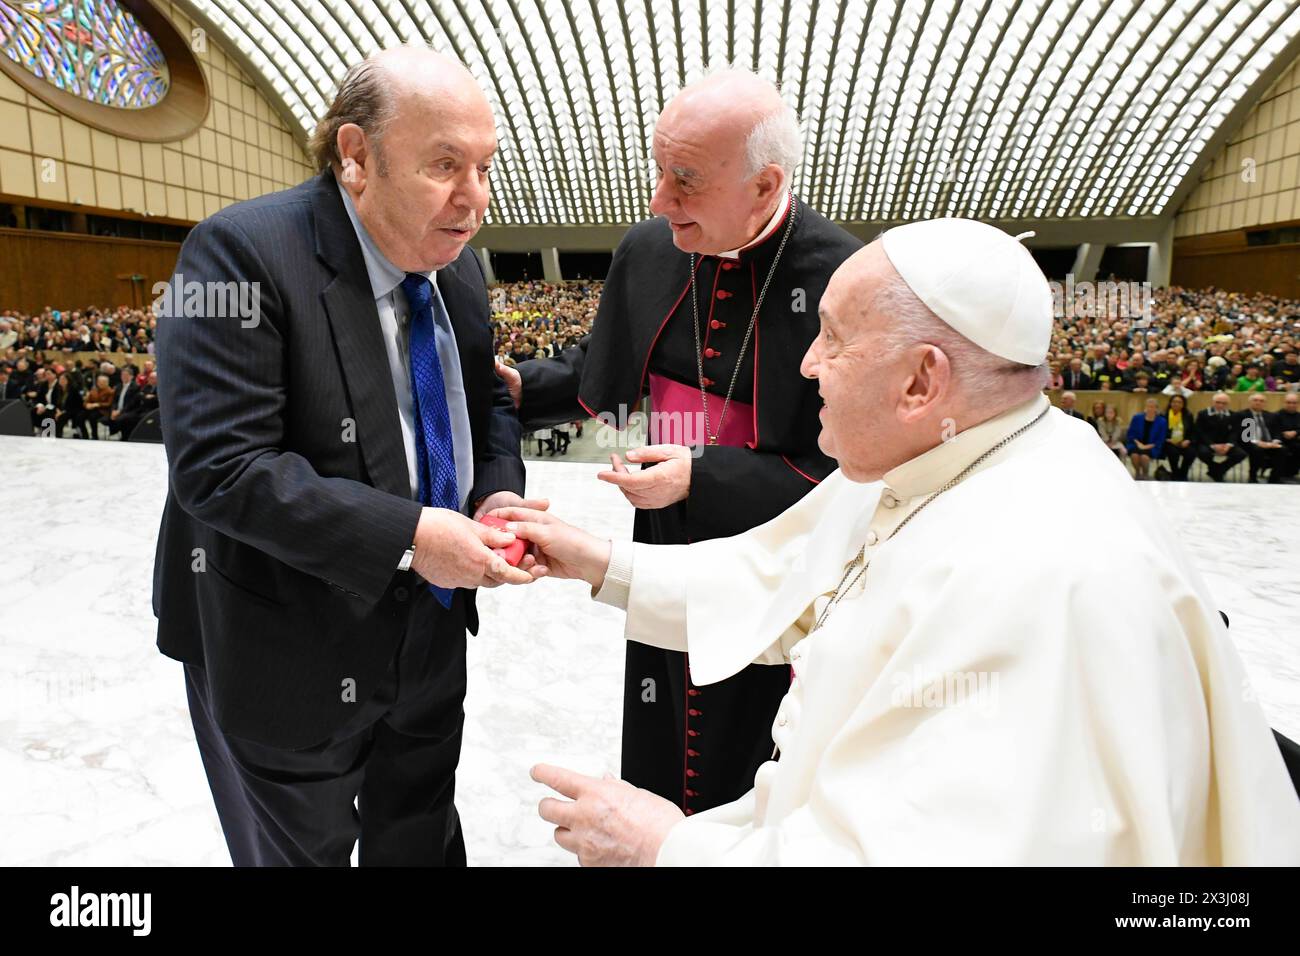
[{"x": 288, "y": 503}]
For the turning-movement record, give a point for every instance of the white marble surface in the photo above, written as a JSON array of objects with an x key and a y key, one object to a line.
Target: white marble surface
[{"x": 97, "y": 758}]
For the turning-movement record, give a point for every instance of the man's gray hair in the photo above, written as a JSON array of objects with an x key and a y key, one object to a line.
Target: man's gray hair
[
  {"x": 982, "y": 379},
  {"x": 363, "y": 98},
  {"x": 776, "y": 140}
]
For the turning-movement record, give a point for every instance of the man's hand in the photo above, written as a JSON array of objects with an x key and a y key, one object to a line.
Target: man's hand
[
  {"x": 508, "y": 499},
  {"x": 514, "y": 382},
  {"x": 658, "y": 487},
  {"x": 561, "y": 550},
  {"x": 452, "y": 551},
  {"x": 605, "y": 822}
]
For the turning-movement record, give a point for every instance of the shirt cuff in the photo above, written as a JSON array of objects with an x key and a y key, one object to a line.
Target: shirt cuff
[{"x": 616, "y": 587}]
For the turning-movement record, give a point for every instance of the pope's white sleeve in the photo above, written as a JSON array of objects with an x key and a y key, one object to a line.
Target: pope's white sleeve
[
  {"x": 726, "y": 836},
  {"x": 714, "y": 597},
  {"x": 618, "y": 576}
]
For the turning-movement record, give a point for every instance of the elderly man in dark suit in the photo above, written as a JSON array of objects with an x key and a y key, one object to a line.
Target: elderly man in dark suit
[
  {"x": 1216, "y": 438},
  {"x": 326, "y": 444},
  {"x": 126, "y": 402}
]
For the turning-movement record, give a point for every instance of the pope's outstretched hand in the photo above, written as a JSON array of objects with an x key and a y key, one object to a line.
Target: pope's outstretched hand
[{"x": 560, "y": 550}]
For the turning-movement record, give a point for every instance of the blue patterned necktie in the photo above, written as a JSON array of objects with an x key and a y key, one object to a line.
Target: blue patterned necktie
[{"x": 434, "y": 450}]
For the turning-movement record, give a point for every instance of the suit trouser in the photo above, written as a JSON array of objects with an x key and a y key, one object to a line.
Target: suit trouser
[{"x": 396, "y": 757}]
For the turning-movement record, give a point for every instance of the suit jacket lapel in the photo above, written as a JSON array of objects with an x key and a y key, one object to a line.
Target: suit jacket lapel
[
  {"x": 354, "y": 322},
  {"x": 456, "y": 296}
]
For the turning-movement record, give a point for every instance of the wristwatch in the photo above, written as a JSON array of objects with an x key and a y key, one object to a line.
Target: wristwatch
[{"x": 407, "y": 557}]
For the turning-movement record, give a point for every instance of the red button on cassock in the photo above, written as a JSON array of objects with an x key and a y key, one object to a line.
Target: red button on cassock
[
  {"x": 708, "y": 382},
  {"x": 715, "y": 324},
  {"x": 711, "y": 353},
  {"x": 693, "y": 712},
  {"x": 694, "y": 692},
  {"x": 724, "y": 294},
  {"x": 691, "y": 773},
  {"x": 692, "y": 733}
]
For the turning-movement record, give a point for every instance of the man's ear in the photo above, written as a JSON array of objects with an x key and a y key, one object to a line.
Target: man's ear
[
  {"x": 769, "y": 182},
  {"x": 928, "y": 384},
  {"x": 354, "y": 154}
]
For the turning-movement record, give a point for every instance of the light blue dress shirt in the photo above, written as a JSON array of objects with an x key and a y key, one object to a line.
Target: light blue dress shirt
[{"x": 394, "y": 314}]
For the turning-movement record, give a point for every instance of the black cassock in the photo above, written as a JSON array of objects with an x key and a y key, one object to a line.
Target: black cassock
[{"x": 700, "y": 746}]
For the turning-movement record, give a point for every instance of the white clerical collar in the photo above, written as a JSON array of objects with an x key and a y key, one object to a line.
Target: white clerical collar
[
  {"x": 929, "y": 471},
  {"x": 770, "y": 228}
]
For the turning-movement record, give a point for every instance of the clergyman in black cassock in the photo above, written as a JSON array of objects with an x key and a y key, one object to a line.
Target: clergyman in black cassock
[{"x": 700, "y": 746}]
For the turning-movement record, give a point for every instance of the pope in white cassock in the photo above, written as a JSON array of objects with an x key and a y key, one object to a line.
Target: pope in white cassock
[{"x": 962, "y": 693}]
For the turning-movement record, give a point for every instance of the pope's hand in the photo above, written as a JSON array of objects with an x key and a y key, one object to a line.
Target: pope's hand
[
  {"x": 452, "y": 551},
  {"x": 658, "y": 487},
  {"x": 514, "y": 383},
  {"x": 561, "y": 550},
  {"x": 507, "y": 499},
  {"x": 605, "y": 822}
]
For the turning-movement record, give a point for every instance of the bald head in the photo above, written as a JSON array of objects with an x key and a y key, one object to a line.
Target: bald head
[
  {"x": 389, "y": 83},
  {"x": 724, "y": 149},
  {"x": 411, "y": 137},
  {"x": 894, "y": 377},
  {"x": 422, "y": 74},
  {"x": 726, "y": 109}
]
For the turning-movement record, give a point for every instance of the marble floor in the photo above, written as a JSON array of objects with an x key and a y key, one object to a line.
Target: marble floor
[{"x": 97, "y": 759}]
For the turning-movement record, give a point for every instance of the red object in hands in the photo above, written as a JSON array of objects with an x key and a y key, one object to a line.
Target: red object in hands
[{"x": 513, "y": 552}]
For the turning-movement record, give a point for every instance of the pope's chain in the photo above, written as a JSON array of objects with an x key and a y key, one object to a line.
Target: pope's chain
[{"x": 860, "y": 563}]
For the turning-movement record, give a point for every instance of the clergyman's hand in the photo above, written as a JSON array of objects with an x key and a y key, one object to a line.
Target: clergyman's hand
[
  {"x": 667, "y": 483},
  {"x": 562, "y": 551},
  {"x": 452, "y": 551},
  {"x": 514, "y": 382}
]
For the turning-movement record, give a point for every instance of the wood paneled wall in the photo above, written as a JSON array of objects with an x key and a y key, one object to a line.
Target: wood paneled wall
[
  {"x": 70, "y": 271},
  {"x": 1224, "y": 260}
]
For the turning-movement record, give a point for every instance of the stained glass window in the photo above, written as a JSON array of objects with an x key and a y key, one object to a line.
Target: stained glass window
[{"x": 94, "y": 49}]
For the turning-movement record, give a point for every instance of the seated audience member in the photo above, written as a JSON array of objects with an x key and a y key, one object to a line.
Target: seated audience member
[
  {"x": 126, "y": 401},
  {"x": 1068, "y": 401},
  {"x": 1146, "y": 439},
  {"x": 1191, "y": 378},
  {"x": 1252, "y": 381},
  {"x": 1113, "y": 432},
  {"x": 1180, "y": 449},
  {"x": 1255, "y": 435},
  {"x": 1288, "y": 432},
  {"x": 1075, "y": 377},
  {"x": 98, "y": 403},
  {"x": 1216, "y": 438}
]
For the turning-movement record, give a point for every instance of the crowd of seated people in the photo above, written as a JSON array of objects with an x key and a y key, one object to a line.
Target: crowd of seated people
[
  {"x": 540, "y": 319},
  {"x": 1190, "y": 341},
  {"x": 81, "y": 399},
  {"x": 1165, "y": 438}
]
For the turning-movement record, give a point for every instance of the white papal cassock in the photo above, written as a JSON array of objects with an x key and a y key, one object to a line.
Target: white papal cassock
[{"x": 983, "y": 695}]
